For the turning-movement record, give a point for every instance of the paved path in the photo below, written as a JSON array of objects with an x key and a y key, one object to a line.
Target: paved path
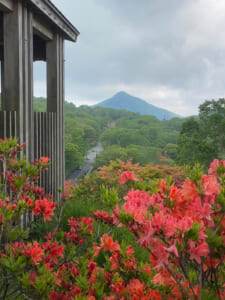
[{"x": 87, "y": 166}]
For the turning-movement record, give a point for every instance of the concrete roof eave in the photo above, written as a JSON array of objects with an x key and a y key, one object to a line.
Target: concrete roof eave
[{"x": 50, "y": 11}]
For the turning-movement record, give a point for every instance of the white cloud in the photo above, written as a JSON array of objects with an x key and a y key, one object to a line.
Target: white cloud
[{"x": 170, "y": 53}]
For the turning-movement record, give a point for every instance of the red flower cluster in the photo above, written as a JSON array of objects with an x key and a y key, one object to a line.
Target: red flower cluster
[
  {"x": 180, "y": 227},
  {"x": 127, "y": 175},
  {"x": 177, "y": 225},
  {"x": 103, "y": 216},
  {"x": 79, "y": 226},
  {"x": 45, "y": 208}
]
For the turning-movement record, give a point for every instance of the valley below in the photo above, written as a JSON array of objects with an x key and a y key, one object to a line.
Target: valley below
[{"x": 87, "y": 166}]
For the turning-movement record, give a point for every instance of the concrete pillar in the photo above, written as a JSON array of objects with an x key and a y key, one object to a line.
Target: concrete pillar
[
  {"x": 12, "y": 71},
  {"x": 28, "y": 110},
  {"x": 17, "y": 86},
  {"x": 55, "y": 99}
]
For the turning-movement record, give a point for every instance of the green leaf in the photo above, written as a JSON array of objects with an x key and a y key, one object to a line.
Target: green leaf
[
  {"x": 209, "y": 295},
  {"x": 125, "y": 217},
  {"x": 193, "y": 232},
  {"x": 14, "y": 233},
  {"x": 25, "y": 280},
  {"x": 82, "y": 282},
  {"x": 193, "y": 276},
  {"x": 221, "y": 200},
  {"x": 213, "y": 239}
]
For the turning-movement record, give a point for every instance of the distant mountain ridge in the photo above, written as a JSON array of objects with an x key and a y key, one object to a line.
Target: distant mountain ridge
[{"x": 125, "y": 101}]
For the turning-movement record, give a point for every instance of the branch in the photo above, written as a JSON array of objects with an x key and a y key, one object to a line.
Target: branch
[
  {"x": 201, "y": 283},
  {"x": 174, "y": 277},
  {"x": 180, "y": 285},
  {"x": 5, "y": 291},
  {"x": 185, "y": 274},
  {"x": 216, "y": 282}
]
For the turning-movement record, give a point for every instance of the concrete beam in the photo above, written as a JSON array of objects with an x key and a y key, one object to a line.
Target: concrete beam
[
  {"x": 6, "y": 5},
  {"x": 57, "y": 18},
  {"x": 41, "y": 29}
]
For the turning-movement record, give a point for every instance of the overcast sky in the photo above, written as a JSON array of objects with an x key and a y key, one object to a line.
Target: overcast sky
[{"x": 170, "y": 53}]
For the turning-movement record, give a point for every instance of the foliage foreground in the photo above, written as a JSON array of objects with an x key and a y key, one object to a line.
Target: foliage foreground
[{"x": 180, "y": 229}]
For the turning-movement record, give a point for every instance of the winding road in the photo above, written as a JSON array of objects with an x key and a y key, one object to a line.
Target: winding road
[{"x": 87, "y": 166}]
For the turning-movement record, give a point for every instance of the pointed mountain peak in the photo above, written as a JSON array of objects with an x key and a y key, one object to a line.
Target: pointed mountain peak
[
  {"x": 122, "y": 100},
  {"x": 121, "y": 93}
]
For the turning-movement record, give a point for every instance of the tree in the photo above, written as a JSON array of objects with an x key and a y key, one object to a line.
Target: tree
[
  {"x": 212, "y": 117},
  {"x": 171, "y": 150},
  {"x": 150, "y": 132},
  {"x": 194, "y": 145},
  {"x": 123, "y": 137},
  {"x": 73, "y": 157},
  {"x": 110, "y": 153}
]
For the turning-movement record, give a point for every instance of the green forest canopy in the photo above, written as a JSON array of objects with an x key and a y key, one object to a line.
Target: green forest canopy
[
  {"x": 123, "y": 134},
  {"x": 203, "y": 139},
  {"x": 142, "y": 138}
]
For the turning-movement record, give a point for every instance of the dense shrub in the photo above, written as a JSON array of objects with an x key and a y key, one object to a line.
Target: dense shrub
[{"x": 178, "y": 224}]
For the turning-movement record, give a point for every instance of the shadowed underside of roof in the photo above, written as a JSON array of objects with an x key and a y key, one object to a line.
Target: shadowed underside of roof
[
  {"x": 53, "y": 14},
  {"x": 48, "y": 10}
]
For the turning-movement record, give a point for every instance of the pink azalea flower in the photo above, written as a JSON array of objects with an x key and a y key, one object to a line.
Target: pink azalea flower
[
  {"x": 213, "y": 166},
  {"x": 184, "y": 224},
  {"x": 172, "y": 249},
  {"x": 160, "y": 254},
  {"x": 127, "y": 175},
  {"x": 35, "y": 253},
  {"x": 189, "y": 189},
  {"x": 198, "y": 251},
  {"x": 211, "y": 186}
]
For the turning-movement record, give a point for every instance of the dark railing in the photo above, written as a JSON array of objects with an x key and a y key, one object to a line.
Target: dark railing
[
  {"x": 45, "y": 145},
  {"x": 44, "y": 141},
  {"x": 7, "y": 124}
]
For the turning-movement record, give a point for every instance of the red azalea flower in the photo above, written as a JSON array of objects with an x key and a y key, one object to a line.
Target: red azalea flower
[
  {"x": 44, "y": 160},
  {"x": 35, "y": 252},
  {"x": 127, "y": 175}
]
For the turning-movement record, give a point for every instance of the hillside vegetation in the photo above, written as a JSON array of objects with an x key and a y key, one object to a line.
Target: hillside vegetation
[
  {"x": 202, "y": 139},
  {"x": 124, "y": 135},
  {"x": 143, "y": 138}
]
